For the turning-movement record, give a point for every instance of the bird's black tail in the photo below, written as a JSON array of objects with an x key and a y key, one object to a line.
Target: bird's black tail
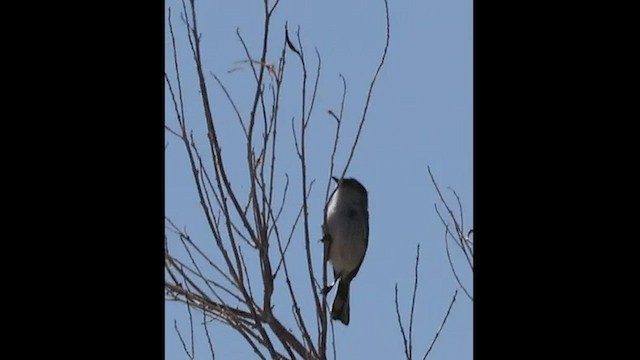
[{"x": 340, "y": 308}]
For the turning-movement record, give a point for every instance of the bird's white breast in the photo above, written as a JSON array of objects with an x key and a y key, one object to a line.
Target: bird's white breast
[{"x": 346, "y": 224}]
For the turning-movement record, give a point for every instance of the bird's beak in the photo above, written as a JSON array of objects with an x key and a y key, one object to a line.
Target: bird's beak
[{"x": 335, "y": 179}]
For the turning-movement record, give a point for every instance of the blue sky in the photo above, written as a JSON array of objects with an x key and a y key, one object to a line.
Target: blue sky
[{"x": 420, "y": 114}]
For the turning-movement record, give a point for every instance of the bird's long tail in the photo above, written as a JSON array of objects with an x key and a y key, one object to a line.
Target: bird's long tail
[{"x": 340, "y": 308}]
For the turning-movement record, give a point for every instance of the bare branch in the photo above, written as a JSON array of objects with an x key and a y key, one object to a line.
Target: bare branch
[
  {"x": 336, "y": 138},
  {"x": 295, "y": 138},
  {"x": 453, "y": 269},
  {"x": 273, "y": 7},
  {"x": 215, "y": 149},
  {"x": 233, "y": 104},
  {"x": 413, "y": 298},
  {"x": 171, "y": 130},
  {"x": 288, "y": 40},
  {"x": 297, "y": 313},
  {"x": 246, "y": 274},
  {"x": 373, "y": 82},
  {"x": 209, "y": 341},
  {"x": 221, "y": 175},
  {"x": 181, "y": 266},
  {"x": 193, "y": 350},
  {"x": 208, "y": 282},
  {"x": 315, "y": 88},
  {"x": 445, "y": 224},
  {"x": 275, "y": 219},
  {"x": 444, "y": 321},
  {"x": 185, "y": 237},
  {"x": 333, "y": 341},
  {"x": 180, "y": 113},
  {"x": 223, "y": 290},
  {"x": 274, "y": 132},
  {"x": 304, "y": 121},
  {"x": 404, "y": 336},
  {"x": 407, "y": 341},
  {"x": 459, "y": 207},
  {"x": 184, "y": 345},
  {"x": 462, "y": 240},
  {"x": 458, "y": 230}
]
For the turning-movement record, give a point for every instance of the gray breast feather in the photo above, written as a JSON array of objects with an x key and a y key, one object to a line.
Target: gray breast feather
[{"x": 348, "y": 234}]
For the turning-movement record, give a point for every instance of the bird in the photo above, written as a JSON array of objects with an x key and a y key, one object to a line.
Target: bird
[{"x": 346, "y": 235}]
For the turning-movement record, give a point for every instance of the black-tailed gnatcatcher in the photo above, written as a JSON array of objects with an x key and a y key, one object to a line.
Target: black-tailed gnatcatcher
[{"x": 347, "y": 231}]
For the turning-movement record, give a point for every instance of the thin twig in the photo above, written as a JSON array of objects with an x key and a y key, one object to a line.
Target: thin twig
[
  {"x": 206, "y": 330},
  {"x": 304, "y": 122},
  {"x": 176, "y": 67},
  {"x": 277, "y": 217},
  {"x": 459, "y": 207},
  {"x": 404, "y": 336},
  {"x": 413, "y": 299},
  {"x": 297, "y": 313},
  {"x": 315, "y": 88},
  {"x": 200, "y": 252},
  {"x": 446, "y": 243},
  {"x": 444, "y": 321},
  {"x": 333, "y": 342},
  {"x": 233, "y": 103},
  {"x": 184, "y": 345},
  {"x": 172, "y": 132},
  {"x": 335, "y": 139},
  {"x": 184, "y": 267},
  {"x": 193, "y": 350},
  {"x": 373, "y": 82},
  {"x": 462, "y": 242}
]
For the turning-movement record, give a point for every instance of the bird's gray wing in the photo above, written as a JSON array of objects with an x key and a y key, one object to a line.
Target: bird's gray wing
[{"x": 353, "y": 273}]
